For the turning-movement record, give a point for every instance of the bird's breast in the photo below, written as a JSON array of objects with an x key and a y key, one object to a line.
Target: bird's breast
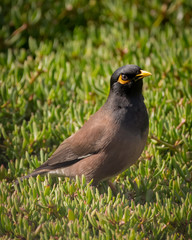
[
  {"x": 123, "y": 151},
  {"x": 128, "y": 139}
]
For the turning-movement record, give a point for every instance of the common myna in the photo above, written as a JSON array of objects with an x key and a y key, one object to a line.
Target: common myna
[{"x": 112, "y": 139}]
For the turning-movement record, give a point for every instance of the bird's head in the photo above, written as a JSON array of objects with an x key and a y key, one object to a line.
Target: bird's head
[{"x": 128, "y": 78}]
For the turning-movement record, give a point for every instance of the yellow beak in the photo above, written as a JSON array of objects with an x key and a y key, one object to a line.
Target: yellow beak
[{"x": 143, "y": 74}]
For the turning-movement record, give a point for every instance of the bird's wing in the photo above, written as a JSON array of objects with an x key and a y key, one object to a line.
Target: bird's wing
[
  {"x": 89, "y": 140},
  {"x": 94, "y": 136}
]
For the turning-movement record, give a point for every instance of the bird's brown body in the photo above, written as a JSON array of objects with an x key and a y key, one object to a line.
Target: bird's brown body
[{"x": 109, "y": 142}]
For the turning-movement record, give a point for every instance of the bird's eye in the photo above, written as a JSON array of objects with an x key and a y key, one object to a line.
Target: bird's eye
[{"x": 124, "y": 77}]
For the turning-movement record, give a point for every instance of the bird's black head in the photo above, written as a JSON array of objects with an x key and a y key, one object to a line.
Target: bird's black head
[{"x": 128, "y": 79}]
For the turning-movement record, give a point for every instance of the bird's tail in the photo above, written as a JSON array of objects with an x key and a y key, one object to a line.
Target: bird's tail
[{"x": 36, "y": 172}]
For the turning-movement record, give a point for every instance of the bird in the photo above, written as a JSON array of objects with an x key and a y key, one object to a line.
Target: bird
[{"x": 111, "y": 140}]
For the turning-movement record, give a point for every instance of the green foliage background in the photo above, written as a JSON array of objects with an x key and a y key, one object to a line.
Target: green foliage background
[{"x": 56, "y": 60}]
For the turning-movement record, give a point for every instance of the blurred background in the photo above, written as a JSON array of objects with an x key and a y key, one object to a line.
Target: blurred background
[{"x": 22, "y": 20}]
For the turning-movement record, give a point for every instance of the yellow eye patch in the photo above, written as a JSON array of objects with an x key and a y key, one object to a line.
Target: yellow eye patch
[{"x": 120, "y": 80}]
